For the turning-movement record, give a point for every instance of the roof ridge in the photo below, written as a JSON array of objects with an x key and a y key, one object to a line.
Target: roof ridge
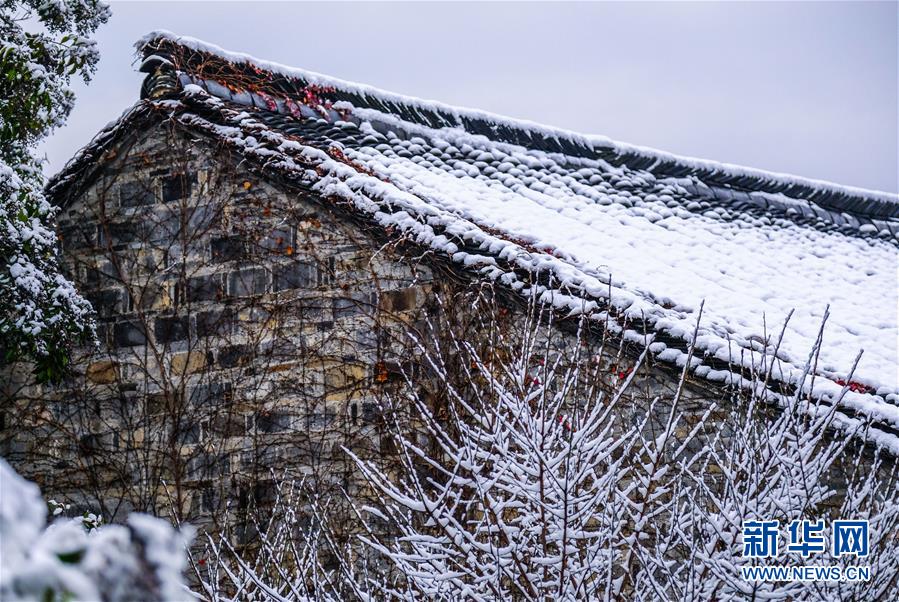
[
  {"x": 489, "y": 238},
  {"x": 530, "y": 134}
]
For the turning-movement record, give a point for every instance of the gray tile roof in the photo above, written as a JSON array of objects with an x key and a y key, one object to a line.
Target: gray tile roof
[{"x": 632, "y": 234}]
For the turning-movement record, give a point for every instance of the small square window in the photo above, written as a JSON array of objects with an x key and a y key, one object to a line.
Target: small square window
[{"x": 177, "y": 186}]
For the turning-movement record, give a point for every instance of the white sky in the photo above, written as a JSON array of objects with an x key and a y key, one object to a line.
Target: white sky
[{"x": 808, "y": 88}]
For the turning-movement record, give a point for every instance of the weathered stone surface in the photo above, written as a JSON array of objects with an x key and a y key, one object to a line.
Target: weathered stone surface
[
  {"x": 129, "y": 333},
  {"x": 78, "y": 236},
  {"x": 206, "y": 466},
  {"x": 320, "y": 420},
  {"x": 212, "y": 394},
  {"x": 189, "y": 362},
  {"x": 205, "y": 288},
  {"x": 230, "y": 425},
  {"x": 119, "y": 234},
  {"x": 102, "y": 373},
  {"x": 216, "y": 322},
  {"x": 153, "y": 296},
  {"x": 399, "y": 300},
  {"x": 228, "y": 248},
  {"x": 101, "y": 275},
  {"x": 279, "y": 241},
  {"x": 346, "y": 306},
  {"x": 106, "y": 302},
  {"x": 294, "y": 275},
  {"x": 274, "y": 422},
  {"x": 370, "y": 412},
  {"x": 176, "y": 186},
  {"x": 137, "y": 193},
  {"x": 235, "y": 355},
  {"x": 251, "y": 281}
]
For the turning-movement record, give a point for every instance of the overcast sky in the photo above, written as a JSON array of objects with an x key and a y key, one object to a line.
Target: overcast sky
[{"x": 807, "y": 88}]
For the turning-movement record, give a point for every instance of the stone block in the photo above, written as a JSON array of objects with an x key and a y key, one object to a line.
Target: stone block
[
  {"x": 273, "y": 422},
  {"x": 235, "y": 355},
  {"x": 191, "y": 434},
  {"x": 117, "y": 234},
  {"x": 189, "y": 362},
  {"x": 105, "y": 273},
  {"x": 177, "y": 186},
  {"x": 248, "y": 282},
  {"x": 326, "y": 272},
  {"x": 208, "y": 466},
  {"x": 205, "y": 288},
  {"x": 204, "y": 216},
  {"x": 164, "y": 225},
  {"x": 216, "y": 322},
  {"x": 90, "y": 444},
  {"x": 399, "y": 300},
  {"x": 283, "y": 347},
  {"x": 137, "y": 193},
  {"x": 171, "y": 328},
  {"x": 370, "y": 411},
  {"x": 153, "y": 296},
  {"x": 320, "y": 420},
  {"x": 279, "y": 241},
  {"x": 157, "y": 403},
  {"x": 78, "y": 236},
  {"x": 294, "y": 275},
  {"x": 129, "y": 334},
  {"x": 102, "y": 373},
  {"x": 106, "y": 303},
  {"x": 211, "y": 394},
  {"x": 352, "y": 305},
  {"x": 229, "y": 425}
]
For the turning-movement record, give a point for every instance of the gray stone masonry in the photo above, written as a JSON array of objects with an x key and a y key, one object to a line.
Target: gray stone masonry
[{"x": 244, "y": 329}]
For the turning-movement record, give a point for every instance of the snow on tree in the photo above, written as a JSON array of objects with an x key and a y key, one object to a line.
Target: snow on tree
[
  {"x": 545, "y": 473},
  {"x": 516, "y": 493},
  {"x": 763, "y": 461},
  {"x": 72, "y": 560},
  {"x": 41, "y": 314},
  {"x": 299, "y": 556}
]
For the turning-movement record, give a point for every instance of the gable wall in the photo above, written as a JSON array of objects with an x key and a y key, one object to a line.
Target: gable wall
[{"x": 232, "y": 317}]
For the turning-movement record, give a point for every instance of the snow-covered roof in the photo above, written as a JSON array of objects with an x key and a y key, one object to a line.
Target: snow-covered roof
[{"x": 638, "y": 236}]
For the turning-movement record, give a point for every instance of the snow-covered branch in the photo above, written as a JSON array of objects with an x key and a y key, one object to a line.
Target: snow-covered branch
[
  {"x": 140, "y": 560},
  {"x": 533, "y": 462}
]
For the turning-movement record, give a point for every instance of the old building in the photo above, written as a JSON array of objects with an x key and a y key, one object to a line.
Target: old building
[{"x": 258, "y": 240}]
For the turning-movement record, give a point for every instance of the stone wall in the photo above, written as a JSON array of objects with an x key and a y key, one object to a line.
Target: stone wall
[
  {"x": 245, "y": 329},
  {"x": 242, "y": 328}
]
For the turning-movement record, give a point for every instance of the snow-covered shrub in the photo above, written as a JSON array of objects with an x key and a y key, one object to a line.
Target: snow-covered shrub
[
  {"x": 532, "y": 468},
  {"x": 300, "y": 554},
  {"x": 41, "y": 313},
  {"x": 762, "y": 458},
  {"x": 511, "y": 487},
  {"x": 67, "y": 560}
]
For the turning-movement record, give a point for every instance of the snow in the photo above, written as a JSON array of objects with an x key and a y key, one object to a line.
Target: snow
[
  {"x": 143, "y": 560},
  {"x": 517, "y": 506},
  {"x": 460, "y": 114},
  {"x": 751, "y": 272},
  {"x": 32, "y": 283},
  {"x": 654, "y": 248}
]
